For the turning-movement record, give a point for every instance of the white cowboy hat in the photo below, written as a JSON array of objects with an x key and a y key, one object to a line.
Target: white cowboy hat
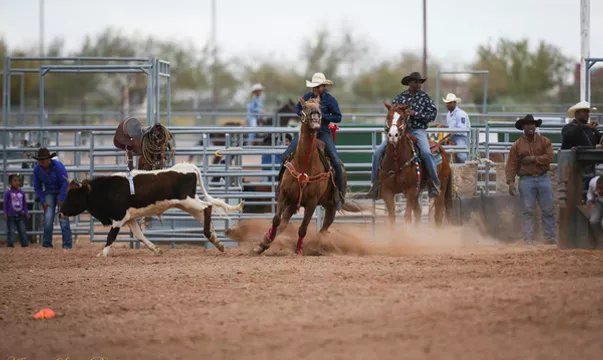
[
  {"x": 257, "y": 87},
  {"x": 450, "y": 97},
  {"x": 317, "y": 80},
  {"x": 582, "y": 105}
]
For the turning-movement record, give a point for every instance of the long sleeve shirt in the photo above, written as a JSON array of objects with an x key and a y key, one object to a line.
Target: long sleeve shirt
[
  {"x": 592, "y": 195},
  {"x": 423, "y": 106},
  {"x": 458, "y": 119},
  {"x": 53, "y": 181},
  {"x": 255, "y": 107},
  {"x": 15, "y": 202},
  {"x": 328, "y": 107},
  {"x": 540, "y": 148},
  {"x": 576, "y": 134}
]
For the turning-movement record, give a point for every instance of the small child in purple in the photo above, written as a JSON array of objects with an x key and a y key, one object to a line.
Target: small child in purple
[{"x": 15, "y": 211}]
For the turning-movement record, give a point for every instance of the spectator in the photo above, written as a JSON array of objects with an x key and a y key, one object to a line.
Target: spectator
[
  {"x": 579, "y": 132},
  {"x": 15, "y": 211},
  {"x": 50, "y": 185},
  {"x": 457, "y": 119},
  {"x": 530, "y": 158},
  {"x": 255, "y": 109}
]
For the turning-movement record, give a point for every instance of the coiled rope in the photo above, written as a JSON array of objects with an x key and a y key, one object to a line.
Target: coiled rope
[{"x": 157, "y": 146}]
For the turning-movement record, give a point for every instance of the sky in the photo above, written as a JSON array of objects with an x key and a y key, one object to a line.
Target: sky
[{"x": 277, "y": 28}]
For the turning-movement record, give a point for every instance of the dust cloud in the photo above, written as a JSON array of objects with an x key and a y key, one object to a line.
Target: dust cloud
[{"x": 360, "y": 239}]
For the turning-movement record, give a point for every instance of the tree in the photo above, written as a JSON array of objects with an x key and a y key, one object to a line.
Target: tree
[{"x": 517, "y": 72}]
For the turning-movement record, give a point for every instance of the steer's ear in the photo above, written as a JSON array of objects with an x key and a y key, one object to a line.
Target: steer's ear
[
  {"x": 86, "y": 185},
  {"x": 74, "y": 184}
]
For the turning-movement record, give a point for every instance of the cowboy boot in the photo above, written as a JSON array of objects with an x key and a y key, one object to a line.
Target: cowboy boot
[
  {"x": 434, "y": 191},
  {"x": 374, "y": 192}
]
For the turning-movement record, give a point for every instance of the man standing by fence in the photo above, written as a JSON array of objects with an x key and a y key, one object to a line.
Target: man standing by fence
[
  {"x": 456, "y": 118},
  {"x": 530, "y": 158},
  {"x": 50, "y": 184}
]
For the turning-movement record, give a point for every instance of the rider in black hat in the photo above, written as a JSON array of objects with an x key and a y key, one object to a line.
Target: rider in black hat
[{"x": 422, "y": 111}]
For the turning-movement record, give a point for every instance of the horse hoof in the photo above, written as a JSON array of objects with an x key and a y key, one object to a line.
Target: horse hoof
[{"x": 258, "y": 250}]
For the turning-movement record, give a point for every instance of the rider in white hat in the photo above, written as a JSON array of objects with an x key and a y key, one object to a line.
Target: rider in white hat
[
  {"x": 579, "y": 132},
  {"x": 255, "y": 108},
  {"x": 330, "y": 114},
  {"x": 457, "y": 119}
]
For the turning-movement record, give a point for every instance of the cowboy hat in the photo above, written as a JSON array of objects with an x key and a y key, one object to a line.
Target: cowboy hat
[
  {"x": 582, "y": 105},
  {"x": 317, "y": 80},
  {"x": 450, "y": 97},
  {"x": 257, "y": 87},
  {"x": 44, "y": 154},
  {"x": 413, "y": 76},
  {"x": 526, "y": 120}
]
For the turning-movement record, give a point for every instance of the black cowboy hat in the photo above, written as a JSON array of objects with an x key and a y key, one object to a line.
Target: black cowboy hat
[
  {"x": 413, "y": 76},
  {"x": 526, "y": 120},
  {"x": 44, "y": 154}
]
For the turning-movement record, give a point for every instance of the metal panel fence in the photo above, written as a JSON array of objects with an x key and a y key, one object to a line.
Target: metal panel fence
[{"x": 88, "y": 151}]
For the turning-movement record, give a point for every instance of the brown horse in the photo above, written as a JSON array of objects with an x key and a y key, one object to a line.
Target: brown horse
[
  {"x": 307, "y": 182},
  {"x": 401, "y": 171}
]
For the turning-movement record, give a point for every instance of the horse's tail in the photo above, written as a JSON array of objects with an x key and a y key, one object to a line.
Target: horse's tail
[
  {"x": 210, "y": 199},
  {"x": 448, "y": 197}
]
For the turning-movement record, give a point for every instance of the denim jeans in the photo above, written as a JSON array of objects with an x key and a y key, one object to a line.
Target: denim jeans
[
  {"x": 425, "y": 153},
  {"x": 331, "y": 152},
  {"x": 16, "y": 223},
  {"x": 51, "y": 200},
  {"x": 460, "y": 140},
  {"x": 533, "y": 189}
]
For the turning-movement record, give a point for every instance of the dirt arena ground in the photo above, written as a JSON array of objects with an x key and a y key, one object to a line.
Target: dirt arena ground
[{"x": 375, "y": 299}]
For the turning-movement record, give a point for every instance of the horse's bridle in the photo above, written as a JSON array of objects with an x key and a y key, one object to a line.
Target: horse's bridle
[{"x": 304, "y": 117}]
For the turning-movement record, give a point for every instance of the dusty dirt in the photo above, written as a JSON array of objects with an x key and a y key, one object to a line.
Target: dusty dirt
[{"x": 412, "y": 297}]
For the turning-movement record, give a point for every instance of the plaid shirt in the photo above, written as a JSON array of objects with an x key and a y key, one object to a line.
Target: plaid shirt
[{"x": 424, "y": 108}]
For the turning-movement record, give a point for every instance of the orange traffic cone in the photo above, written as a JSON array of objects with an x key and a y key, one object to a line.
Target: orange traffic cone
[{"x": 45, "y": 313}]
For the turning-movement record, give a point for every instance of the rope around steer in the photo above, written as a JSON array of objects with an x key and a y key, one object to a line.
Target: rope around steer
[{"x": 303, "y": 179}]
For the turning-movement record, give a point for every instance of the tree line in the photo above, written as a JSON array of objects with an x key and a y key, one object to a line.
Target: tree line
[{"x": 519, "y": 73}]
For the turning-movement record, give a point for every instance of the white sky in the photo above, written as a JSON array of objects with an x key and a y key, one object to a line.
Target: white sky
[{"x": 276, "y": 28}]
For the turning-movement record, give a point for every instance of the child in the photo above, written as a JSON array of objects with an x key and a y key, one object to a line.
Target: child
[{"x": 15, "y": 211}]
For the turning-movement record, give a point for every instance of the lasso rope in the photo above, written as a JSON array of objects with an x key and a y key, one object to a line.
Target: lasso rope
[{"x": 157, "y": 147}]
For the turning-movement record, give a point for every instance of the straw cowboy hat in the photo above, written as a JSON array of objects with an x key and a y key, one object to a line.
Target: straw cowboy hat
[
  {"x": 413, "y": 76},
  {"x": 257, "y": 87},
  {"x": 317, "y": 80},
  {"x": 527, "y": 120},
  {"x": 44, "y": 154},
  {"x": 450, "y": 97},
  {"x": 582, "y": 105}
]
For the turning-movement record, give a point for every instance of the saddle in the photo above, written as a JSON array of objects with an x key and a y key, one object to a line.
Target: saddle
[
  {"x": 434, "y": 146},
  {"x": 326, "y": 162}
]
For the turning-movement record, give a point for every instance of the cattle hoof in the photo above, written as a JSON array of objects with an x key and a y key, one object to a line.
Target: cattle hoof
[
  {"x": 158, "y": 251},
  {"x": 219, "y": 246}
]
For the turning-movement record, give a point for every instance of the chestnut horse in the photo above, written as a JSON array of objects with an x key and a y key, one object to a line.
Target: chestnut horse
[
  {"x": 306, "y": 182},
  {"x": 401, "y": 171}
]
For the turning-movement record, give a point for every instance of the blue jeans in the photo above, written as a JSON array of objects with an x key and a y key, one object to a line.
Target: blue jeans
[
  {"x": 16, "y": 223},
  {"x": 460, "y": 140},
  {"x": 424, "y": 152},
  {"x": 331, "y": 151},
  {"x": 51, "y": 201},
  {"x": 534, "y": 189}
]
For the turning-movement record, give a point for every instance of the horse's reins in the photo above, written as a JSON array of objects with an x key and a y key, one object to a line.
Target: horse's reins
[{"x": 302, "y": 177}]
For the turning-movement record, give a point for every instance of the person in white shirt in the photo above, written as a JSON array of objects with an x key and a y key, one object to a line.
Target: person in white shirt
[
  {"x": 457, "y": 119},
  {"x": 594, "y": 200}
]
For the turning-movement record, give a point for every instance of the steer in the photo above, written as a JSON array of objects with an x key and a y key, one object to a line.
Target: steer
[{"x": 108, "y": 199}]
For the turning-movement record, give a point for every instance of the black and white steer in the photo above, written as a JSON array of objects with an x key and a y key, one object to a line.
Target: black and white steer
[{"x": 108, "y": 199}]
